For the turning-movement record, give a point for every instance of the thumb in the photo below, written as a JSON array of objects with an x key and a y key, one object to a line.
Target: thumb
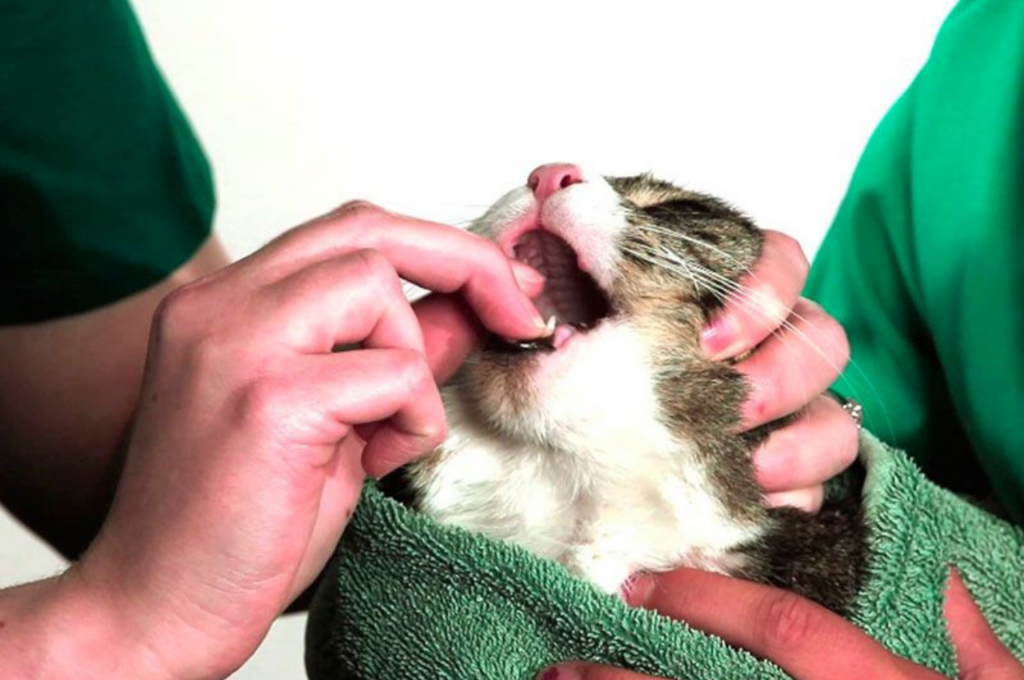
[{"x": 979, "y": 653}]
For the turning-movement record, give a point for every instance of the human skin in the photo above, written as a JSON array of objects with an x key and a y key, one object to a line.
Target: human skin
[
  {"x": 246, "y": 456},
  {"x": 252, "y": 437},
  {"x": 806, "y": 640},
  {"x": 798, "y": 351},
  {"x": 68, "y": 388},
  {"x": 64, "y": 430}
]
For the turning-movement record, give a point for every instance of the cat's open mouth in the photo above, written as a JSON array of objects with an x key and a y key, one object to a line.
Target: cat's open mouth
[{"x": 571, "y": 296}]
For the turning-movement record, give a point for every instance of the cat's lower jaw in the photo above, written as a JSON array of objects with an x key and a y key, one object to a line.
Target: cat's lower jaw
[
  {"x": 605, "y": 511},
  {"x": 648, "y": 515}
]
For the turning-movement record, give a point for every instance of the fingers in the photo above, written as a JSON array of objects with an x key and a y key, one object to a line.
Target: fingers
[
  {"x": 769, "y": 292},
  {"x": 792, "y": 366},
  {"x": 808, "y": 499},
  {"x": 808, "y": 641},
  {"x": 353, "y": 298},
  {"x": 326, "y": 394},
  {"x": 529, "y": 279},
  {"x": 450, "y": 333},
  {"x": 979, "y": 653},
  {"x": 798, "y": 355},
  {"x": 359, "y": 298},
  {"x": 417, "y": 424},
  {"x": 796, "y": 459},
  {"x": 438, "y": 257},
  {"x": 393, "y": 445},
  {"x": 342, "y": 485}
]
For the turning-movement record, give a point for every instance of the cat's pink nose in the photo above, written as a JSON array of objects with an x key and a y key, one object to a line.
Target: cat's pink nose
[{"x": 547, "y": 179}]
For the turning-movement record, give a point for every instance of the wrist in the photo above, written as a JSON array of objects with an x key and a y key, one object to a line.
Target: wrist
[
  {"x": 57, "y": 628},
  {"x": 154, "y": 621}
]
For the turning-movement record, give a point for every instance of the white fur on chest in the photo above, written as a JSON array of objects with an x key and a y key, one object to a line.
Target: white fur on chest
[{"x": 588, "y": 476}]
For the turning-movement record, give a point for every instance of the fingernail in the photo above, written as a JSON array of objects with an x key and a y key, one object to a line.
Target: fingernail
[
  {"x": 528, "y": 278},
  {"x": 765, "y": 467},
  {"x": 757, "y": 409},
  {"x": 781, "y": 499},
  {"x": 718, "y": 338},
  {"x": 807, "y": 500}
]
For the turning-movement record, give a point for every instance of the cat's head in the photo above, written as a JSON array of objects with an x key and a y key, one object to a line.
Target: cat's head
[{"x": 633, "y": 268}]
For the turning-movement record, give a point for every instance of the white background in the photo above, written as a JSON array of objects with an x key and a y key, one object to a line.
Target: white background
[{"x": 437, "y": 108}]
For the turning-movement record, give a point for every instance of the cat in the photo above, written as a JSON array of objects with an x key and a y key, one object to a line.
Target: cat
[{"x": 612, "y": 446}]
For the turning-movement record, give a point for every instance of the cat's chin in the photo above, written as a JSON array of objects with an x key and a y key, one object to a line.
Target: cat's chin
[{"x": 544, "y": 396}]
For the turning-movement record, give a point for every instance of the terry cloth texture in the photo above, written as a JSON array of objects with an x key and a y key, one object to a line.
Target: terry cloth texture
[{"x": 406, "y": 598}]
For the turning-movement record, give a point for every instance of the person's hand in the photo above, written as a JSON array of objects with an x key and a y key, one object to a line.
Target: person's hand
[
  {"x": 252, "y": 437},
  {"x": 798, "y": 352},
  {"x": 806, "y": 640}
]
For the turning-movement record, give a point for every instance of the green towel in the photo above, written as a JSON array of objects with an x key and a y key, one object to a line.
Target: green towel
[{"x": 406, "y": 598}]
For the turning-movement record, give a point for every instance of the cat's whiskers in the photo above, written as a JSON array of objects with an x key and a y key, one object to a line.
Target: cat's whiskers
[
  {"x": 697, "y": 242},
  {"x": 744, "y": 296},
  {"x": 727, "y": 290},
  {"x": 640, "y": 255},
  {"x": 741, "y": 293}
]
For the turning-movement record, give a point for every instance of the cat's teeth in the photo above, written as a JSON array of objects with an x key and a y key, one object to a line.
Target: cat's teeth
[{"x": 551, "y": 324}]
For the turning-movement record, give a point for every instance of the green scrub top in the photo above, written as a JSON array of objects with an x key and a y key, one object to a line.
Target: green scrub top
[
  {"x": 104, "y": 190},
  {"x": 924, "y": 264}
]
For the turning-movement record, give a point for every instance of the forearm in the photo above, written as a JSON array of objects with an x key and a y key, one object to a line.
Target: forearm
[{"x": 69, "y": 391}]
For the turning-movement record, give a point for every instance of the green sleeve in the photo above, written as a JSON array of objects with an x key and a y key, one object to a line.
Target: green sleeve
[
  {"x": 103, "y": 187},
  {"x": 924, "y": 264}
]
